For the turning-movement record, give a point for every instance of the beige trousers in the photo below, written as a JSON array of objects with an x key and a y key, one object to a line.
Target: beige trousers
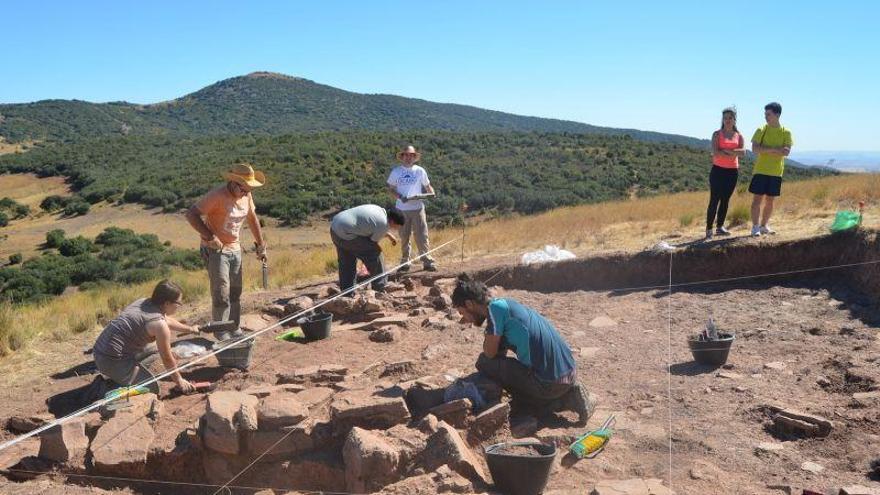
[{"x": 415, "y": 224}]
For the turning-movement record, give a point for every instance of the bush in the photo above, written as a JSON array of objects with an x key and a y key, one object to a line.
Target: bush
[
  {"x": 20, "y": 286},
  {"x": 75, "y": 246},
  {"x": 138, "y": 275},
  {"x": 76, "y": 208},
  {"x": 686, "y": 219},
  {"x": 4, "y": 219},
  {"x": 54, "y": 238},
  {"x": 89, "y": 269},
  {"x": 15, "y": 259},
  {"x": 739, "y": 215},
  {"x": 53, "y": 203},
  {"x": 20, "y": 211}
]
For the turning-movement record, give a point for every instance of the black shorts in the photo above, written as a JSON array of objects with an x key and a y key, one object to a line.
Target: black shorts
[{"x": 768, "y": 185}]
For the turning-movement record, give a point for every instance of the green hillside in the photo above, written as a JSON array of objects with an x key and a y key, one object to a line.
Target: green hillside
[
  {"x": 267, "y": 103},
  {"x": 320, "y": 172}
]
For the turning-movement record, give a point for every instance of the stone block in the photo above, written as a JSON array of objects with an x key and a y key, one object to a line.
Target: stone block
[
  {"x": 124, "y": 440},
  {"x": 447, "y": 447},
  {"x": 385, "y": 334},
  {"x": 370, "y": 461},
  {"x": 455, "y": 412},
  {"x": 318, "y": 374},
  {"x": 298, "y": 305},
  {"x": 792, "y": 422},
  {"x": 312, "y": 397},
  {"x": 351, "y": 409},
  {"x": 66, "y": 442},
  {"x": 28, "y": 423},
  {"x": 277, "y": 411},
  {"x": 226, "y": 414},
  {"x": 490, "y": 421},
  {"x": 279, "y": 444},
  {"x": 263, "y": 391}
]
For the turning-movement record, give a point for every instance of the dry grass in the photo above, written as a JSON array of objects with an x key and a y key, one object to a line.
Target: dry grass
[
  {"x": 806, "y": 208},
  {"x": 13, "y": 147},
  {"x": 28, "y": 189}
]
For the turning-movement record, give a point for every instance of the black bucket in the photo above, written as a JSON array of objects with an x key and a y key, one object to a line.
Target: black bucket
[
  {"x": 515, "y": 474},
  {"x": 711, "y": 352},
  {"x": 316, "y": 326}
]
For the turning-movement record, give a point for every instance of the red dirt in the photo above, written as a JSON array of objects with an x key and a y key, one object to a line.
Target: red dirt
[{"x": 817, "y": 327}]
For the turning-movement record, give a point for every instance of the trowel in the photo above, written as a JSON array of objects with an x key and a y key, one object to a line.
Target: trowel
[{"x": 222, "y": 330}]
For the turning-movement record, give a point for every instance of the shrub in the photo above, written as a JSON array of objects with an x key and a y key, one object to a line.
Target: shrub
[
  {"x": 54, "y": 238},
  {"x": 820, "y": 195},
  {"x": 89, "y": 269},
  {"x": 4, "y": 219},
  {"x": 686, "y": 219},
  {"x": 20, "y": 286},
  {"x": 75, "y": 246},
  {"x": 15, "y": 259},
  {"x": 54, "y": 203},
  {"x": 76, "y": 208},
  {"x": 138, "y": 275},
  {"x": 739, "y": 215}
]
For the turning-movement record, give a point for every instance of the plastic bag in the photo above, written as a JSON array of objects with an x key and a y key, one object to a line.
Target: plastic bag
[
  {"x": 845, "y": 220},
  {"x": 462, "y": 389},
  {"x": 549, "y": 253},
  {"x": 663, "y": 247},
  {"x": 188, "y": 350}
]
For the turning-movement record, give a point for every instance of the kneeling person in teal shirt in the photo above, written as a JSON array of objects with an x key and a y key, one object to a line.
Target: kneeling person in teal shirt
[{"x": 543, "y": 374}]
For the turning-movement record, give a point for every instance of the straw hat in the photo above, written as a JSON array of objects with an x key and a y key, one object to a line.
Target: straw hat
[
  {"x": 409, "y": 149},
  {"x": 245, "y": 174}
]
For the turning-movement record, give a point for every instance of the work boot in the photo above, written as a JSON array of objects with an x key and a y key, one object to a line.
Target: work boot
[
  {"x": 579, "y": 400},
  {"x": 404, "y": 268},
  {"x": 430, "y": 267}
]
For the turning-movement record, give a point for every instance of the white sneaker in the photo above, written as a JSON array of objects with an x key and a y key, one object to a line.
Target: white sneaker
[
  {"x": 756, "y": 231},
  {"x": 722, "y": 231},
  {"x": 708, "y": 234},
  {"x": 766, "y": 230}
]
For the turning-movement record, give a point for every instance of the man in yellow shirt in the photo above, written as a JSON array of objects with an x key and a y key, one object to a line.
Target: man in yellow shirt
[{"x": 771, "y": 143}]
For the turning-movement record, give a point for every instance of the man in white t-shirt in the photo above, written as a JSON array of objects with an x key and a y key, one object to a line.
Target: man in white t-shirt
[{"x": 406, "y": 181}]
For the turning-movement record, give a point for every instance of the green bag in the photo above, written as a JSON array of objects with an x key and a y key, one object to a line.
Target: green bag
[{"x": 845, "y": 220}]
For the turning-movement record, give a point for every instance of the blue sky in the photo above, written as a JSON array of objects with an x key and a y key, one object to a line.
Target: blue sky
[{"x": 663, "y": 66}]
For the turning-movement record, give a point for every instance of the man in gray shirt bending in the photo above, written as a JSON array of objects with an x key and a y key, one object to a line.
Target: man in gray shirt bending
[{"x": 356, "y": 233}]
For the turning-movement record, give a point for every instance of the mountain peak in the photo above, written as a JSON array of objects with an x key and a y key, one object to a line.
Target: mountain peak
[{"x": 271, "y": 75}]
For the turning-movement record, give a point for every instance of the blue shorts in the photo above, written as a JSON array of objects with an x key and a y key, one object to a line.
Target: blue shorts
[{"x": 768, "y": 185}]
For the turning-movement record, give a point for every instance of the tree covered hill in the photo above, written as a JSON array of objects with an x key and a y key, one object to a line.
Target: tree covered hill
[
  {"x": 320, "y": 172},
  {"x": 268, "y": 103}
]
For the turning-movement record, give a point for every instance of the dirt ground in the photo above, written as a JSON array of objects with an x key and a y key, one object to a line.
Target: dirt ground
[{"x": 806, "y": 344}]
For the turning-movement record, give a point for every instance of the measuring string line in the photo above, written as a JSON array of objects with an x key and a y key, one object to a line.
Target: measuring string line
[{"x": 105, "y": 401}]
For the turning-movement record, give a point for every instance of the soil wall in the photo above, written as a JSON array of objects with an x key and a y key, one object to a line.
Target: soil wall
[{"x": 700, "y": 263}]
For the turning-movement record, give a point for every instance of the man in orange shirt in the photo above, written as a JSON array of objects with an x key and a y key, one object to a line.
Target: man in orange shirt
[{"x": 218, "y": 218}]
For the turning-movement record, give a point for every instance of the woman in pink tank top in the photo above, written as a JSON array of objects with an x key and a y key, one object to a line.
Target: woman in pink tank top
[{"x": 727, "y": 147}]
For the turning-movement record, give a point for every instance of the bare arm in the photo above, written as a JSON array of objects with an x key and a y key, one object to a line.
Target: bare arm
[
  {"x": 159, "y": 329},
  {"x": 194, "y": 217},
  {"x": 716, "y": 150},
  {"x": 177, "y": 326},
  {"x": 429, "y": 189},
  {"x": 741, "y": 149},
  {"x": 391, "y": 238},
  {"x": 254, "y": 223},
  {"x": 490, "y": 345}
]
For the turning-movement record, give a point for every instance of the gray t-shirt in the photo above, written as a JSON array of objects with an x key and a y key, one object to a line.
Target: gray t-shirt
[
  {"x": 361, "y": 221},
  {"x": 126, "y": 335}
]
